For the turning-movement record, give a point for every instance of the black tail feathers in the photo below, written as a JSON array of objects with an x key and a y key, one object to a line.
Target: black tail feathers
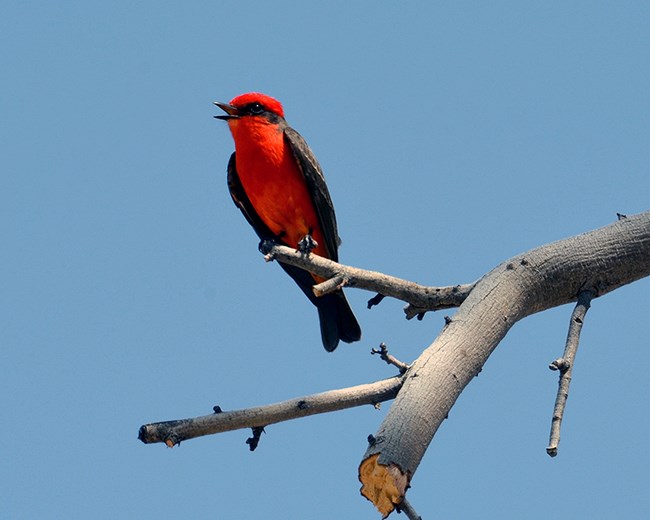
[{"x": 337, "y": 321}]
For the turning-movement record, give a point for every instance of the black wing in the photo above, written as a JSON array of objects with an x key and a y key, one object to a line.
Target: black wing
[
  {"x": 242, "y": 201},
  {"x": 317, "y": 188}
]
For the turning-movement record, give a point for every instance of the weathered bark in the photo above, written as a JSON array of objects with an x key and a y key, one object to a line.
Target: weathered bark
[
  {"x": 551, "y": 275},
  {"x": 176, "y": 431}
]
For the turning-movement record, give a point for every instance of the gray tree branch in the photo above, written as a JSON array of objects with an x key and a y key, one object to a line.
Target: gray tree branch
[
  {"x": 599, "y": 261},
  {"x": 565, "y": 367},
  {"x": 423, "y": 298},
  {"x": 596, "y": 262},
  {"x": 176, "y": 431}
]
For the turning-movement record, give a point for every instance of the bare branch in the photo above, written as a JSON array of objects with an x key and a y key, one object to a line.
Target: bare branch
[
  {"x": 174, "y": 432},
  {"x": 546, "y": 277},
  {"x": 551, "y": 275},
  {"x": 422, "y": 297},
  {"x": 565, "y": 366}
]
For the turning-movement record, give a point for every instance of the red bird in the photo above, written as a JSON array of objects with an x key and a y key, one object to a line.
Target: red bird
[{"x": 277, "y": 183}]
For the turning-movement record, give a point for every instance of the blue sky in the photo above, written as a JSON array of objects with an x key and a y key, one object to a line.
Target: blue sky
[{"x": 453, "y": 135}]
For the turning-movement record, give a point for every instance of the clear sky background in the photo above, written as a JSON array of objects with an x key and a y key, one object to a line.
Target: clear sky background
[{"x": 453, "y": 135}]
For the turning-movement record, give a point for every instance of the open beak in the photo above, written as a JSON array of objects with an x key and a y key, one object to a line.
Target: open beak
[{"x": 231, "y": 112}]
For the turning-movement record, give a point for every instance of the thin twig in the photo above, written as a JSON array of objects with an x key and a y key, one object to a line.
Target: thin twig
[
  {"x": 174, "y": 432},
  {"x": 406, "y": 508},
  {"x": 565, "y": 366},
  {"x": 389, "y": 358},
  {"x": 420, "y": 296}
]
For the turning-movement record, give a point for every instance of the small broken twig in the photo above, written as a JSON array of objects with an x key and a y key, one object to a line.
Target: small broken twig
[
  {"x": 565, "y": 366},
  {"x": 375, "y": 300},
  {"x": 331, "y": 285},
  {"x": 390, "y": 359},
  {"x": 255, "y": 439}
]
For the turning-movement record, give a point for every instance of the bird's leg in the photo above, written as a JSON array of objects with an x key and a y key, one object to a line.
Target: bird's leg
[{"x": 307, "y": 244}]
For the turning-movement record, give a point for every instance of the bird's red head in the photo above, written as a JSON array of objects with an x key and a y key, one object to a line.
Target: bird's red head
[
  {"x": 252, "y": 104},
  {"x": 267, "y": 102}
]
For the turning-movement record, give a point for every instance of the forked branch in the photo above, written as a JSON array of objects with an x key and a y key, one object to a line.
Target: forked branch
[
  {"x": 546, "y": 277},
  {"x": 419, "y": 297},
  {"x": 540, "y": 279}
]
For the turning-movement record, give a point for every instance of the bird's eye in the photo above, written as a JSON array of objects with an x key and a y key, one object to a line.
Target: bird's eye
[{"x": 255, "y": 109}]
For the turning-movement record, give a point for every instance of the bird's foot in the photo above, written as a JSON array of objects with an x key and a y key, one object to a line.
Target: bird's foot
[
  {"x": 265, "y": 247},
  {"x": 307, "y": 244}
]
